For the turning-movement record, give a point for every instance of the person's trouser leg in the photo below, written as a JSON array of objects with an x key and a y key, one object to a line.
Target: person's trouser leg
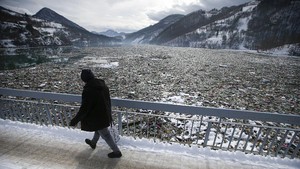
[
  {"x": 105, "y": 134},
  {"x": 96, "y": 137}
]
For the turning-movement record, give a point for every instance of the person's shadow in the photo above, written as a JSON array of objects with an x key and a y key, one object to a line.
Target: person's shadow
[{"x": 90, "y": 159}]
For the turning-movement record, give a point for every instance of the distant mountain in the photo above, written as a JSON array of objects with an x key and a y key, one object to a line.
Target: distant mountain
[
  {"x": 202, "y": 29},
  {"x": 192, "y": 22},
  {"x": 258, "y": 25},
  {"x": 46, "y": 28},
  {"x": 147, "y": 34},
  {"x": 274, "y": 23},
  {"x": 111, "y": 33},
  {"x": 51, "y": 16}
]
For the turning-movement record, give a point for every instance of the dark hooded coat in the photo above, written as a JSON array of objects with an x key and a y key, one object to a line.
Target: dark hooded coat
[{"x": 95, "y": 109}]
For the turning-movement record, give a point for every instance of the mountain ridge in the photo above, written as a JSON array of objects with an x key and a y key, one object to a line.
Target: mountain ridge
[
  {"x": 110, "y": 33},
  {"x": 145, "y": 35},
  {"x": 256, "y": 25},
  {"x": 190, "y": 22},
  {"x": 50, "y": 15},
  {"x": 46, "y": 28}
]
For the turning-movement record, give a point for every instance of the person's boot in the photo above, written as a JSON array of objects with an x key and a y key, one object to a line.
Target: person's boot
[
  {"x": 116, "y": 154},
  {"x": 90, "y": 143}
]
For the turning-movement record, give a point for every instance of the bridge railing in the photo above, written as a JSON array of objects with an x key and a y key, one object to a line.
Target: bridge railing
[{"x": 231, "y": 130}]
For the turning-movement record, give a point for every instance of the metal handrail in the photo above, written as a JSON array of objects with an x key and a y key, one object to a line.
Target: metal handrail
[
  {"x": 193, "y": 110},
  {"x": 207, "y": 127}
]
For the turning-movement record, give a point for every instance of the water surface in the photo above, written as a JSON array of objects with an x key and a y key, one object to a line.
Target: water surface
[{"x": 15, "y": 58}]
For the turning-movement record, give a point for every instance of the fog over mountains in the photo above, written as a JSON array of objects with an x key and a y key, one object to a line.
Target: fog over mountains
[{"x": 257, "y": 25}]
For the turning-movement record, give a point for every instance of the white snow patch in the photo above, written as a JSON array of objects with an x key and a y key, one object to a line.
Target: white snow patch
[
  {"x": 243, "y": 24},
  {"x": 50, "y": 31},
  {"x": 138, "y": 40},
  {"x": 249, "y": 8},
  {"x": 53, "y": 25},
  {"x": 215, "y": 39}
]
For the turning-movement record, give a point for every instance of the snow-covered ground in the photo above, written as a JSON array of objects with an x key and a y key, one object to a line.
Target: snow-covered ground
[{"x": 71, "y": 136}]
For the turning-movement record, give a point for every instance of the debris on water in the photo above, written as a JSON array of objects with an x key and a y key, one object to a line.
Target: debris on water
[
  {"x": 189, "y": 76},
  {"x": 25, "y": 86},
  {"x": 42, "y": 85},
  {"x": 265, "y": 81},
  {"x": 223, "y": 66}
]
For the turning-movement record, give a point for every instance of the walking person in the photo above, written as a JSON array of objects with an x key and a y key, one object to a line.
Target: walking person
[{"x": 95, "y": 112}]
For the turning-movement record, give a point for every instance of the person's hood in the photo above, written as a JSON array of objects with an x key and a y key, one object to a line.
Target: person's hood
[
  {"x": 95, "y": 83},
  {"x": 87, "y": 75}
]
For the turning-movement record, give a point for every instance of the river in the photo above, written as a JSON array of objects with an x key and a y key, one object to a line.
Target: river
[{"x": 201, "y": 77}]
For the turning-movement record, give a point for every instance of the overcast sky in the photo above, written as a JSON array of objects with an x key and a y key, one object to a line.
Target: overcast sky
[{"x": 120, "y": 15}]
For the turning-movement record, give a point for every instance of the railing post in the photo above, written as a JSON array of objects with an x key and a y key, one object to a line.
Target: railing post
[
  {"x": 49, "y": 115},
  {"x": 38, "y": 112},
  {"x": 120, "y": 123},
  {"x": 207, "y": 133},
  {"x": 295, "y": 151}
]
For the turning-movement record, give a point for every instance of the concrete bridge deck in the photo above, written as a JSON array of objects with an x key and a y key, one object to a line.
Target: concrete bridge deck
[{"x": 28, "y": 146}]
